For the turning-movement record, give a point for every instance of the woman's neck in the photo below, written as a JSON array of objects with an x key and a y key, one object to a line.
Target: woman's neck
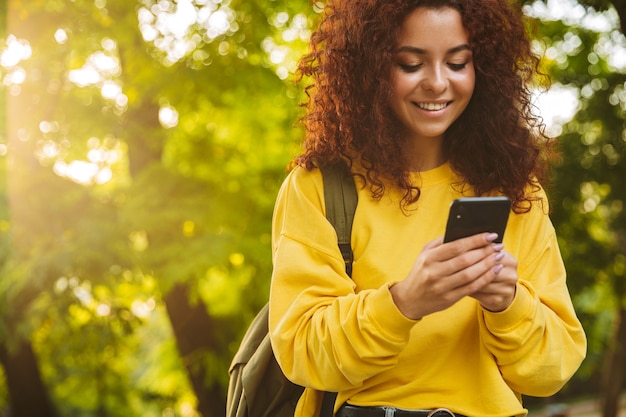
[{"x": 425, "y": 154}]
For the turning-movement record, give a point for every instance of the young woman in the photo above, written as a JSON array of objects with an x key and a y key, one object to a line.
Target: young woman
[{"x": 425, "y": 101}]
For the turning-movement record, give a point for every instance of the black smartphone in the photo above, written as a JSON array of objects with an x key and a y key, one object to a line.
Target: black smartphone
[{"x": 472, "y": 215}]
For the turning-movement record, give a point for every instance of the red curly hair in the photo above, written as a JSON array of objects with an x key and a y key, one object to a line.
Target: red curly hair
[{"x": 349, "y": 118}]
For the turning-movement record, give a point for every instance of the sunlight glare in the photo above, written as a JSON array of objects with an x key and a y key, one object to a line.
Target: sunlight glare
[
  {"x": 49, "y": 127},
  {"x": 560, "y": 103},
  {"x": 48, "y": 151},
  {"x": 100, "y": 69},
  {"x": 218, "y": 23},
  {"x": 98, "y": 66},
  {"x": 80, "y": 172},
  {"x": 572, "y": 13},
  {"x": 283, "y": 57},
  {"x": 103, "y": 310},
  {"x": 16, "y": 76},
  {"x": 121, "y": 101},
  {"x": 84, "y": 76},
  {"x": 168, "y": 116},
  {"x": 83, "y": 293},
  {"x": 105, "y": 63},
  {"x": 142, "y": 309},
  {"x": 110, "y": 90},
  {"x": 557, "y": 106},
  {"x": 104, "y": 175},
  {"x": 566, "y": 10},
  {"x": 61, "y": 285},
  {"x": 60, "y": 36},
  {"x": 109, "y": 44},
  {"x": 171, "y": 26},
  {"x": 97, "y": 155},
  {"x": 17, "y": 50},
  {"x": 179, "y": 22}
]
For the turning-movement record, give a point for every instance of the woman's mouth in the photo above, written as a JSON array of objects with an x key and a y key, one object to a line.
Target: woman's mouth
[{"x": 432, "y": 106}]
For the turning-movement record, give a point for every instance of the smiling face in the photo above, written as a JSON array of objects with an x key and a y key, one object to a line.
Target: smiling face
[{"x": 433, "y": 75}]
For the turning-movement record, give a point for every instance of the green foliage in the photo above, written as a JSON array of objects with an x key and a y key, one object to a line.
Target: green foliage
[
  {"x": 113, "y": 203},
  {"x": 589, "y": 190}
]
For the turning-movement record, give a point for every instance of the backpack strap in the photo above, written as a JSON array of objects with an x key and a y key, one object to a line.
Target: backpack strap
[{"x": 341, "y": 198}]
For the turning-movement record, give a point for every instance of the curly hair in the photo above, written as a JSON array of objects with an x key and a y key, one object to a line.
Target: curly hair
[{"x": 348, "y": 116}]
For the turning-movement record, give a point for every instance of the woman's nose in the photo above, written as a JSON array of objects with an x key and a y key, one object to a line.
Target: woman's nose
[{"x": 435, "y": 79}]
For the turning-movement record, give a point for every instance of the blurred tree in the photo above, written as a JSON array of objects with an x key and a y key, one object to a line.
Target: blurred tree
[
  {"x": 584, "y": 50},
  {"x": 4, "y": 215},
  {"x": 146, "y": 141}
]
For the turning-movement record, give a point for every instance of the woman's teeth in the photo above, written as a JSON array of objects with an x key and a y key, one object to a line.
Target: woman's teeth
[{"x": 432, "y": 106}]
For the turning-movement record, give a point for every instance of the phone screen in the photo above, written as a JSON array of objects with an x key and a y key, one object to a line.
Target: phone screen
[{"x": 472, "y": 215}]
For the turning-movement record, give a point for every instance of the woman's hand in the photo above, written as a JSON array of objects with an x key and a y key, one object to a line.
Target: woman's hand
[
  {"x": 444, "y": 273},
  {"x": 500, "y": 292}
]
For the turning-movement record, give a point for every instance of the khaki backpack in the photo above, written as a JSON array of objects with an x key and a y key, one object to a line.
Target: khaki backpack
[{"x": 257, "y": 386}]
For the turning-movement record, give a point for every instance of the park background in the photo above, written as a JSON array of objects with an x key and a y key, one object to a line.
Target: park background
[{"x": 142, "y": 144}]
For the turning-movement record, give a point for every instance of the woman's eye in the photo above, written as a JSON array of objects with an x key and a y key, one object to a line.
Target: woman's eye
[
  {"x": 457, "y": 67},
  {"x": 410, "y": 67}
]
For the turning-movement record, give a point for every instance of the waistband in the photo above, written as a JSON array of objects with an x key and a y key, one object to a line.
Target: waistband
[{"x": 348, "y": 410}]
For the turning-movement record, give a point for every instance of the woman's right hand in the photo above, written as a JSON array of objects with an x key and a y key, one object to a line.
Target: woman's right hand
[{"x": 444, "y": 273}]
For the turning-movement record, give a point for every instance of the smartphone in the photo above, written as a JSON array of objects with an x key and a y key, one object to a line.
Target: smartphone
[{"x": 472, "y": 215}]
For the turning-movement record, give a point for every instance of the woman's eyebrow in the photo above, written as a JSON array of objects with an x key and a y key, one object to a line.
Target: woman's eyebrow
[{"x": 420, "y": 51}]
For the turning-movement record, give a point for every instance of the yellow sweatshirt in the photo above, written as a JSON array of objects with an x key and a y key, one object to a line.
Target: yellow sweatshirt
[{"x": 334, "y": 333}]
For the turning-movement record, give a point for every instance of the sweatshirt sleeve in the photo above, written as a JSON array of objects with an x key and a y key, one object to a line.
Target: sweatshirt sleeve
[
  {"x": 315, "y": 315},
  {"x": 538, "y": 342}
]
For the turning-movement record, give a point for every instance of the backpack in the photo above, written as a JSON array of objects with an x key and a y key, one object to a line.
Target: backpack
[{"x": 257, "y": 386}]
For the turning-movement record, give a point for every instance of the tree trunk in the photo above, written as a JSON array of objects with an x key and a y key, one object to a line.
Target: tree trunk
[
  {"x": 614, "y": 375},
  {"x": 194, "y": 330},
  {"x": 193, "y": 327},
  {"x": 27, "y": 394}
]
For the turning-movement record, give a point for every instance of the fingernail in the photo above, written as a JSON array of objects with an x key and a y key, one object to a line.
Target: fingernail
[
  {"x": 498, "y": 256},
  {"x": 491, "y": 237},
  {"x": 497, "y": 269},
  {"x": 498, "y": 247}
]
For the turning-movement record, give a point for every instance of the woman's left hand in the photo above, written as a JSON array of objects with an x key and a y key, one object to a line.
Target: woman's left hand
[{"x": 498, "y": 295}]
